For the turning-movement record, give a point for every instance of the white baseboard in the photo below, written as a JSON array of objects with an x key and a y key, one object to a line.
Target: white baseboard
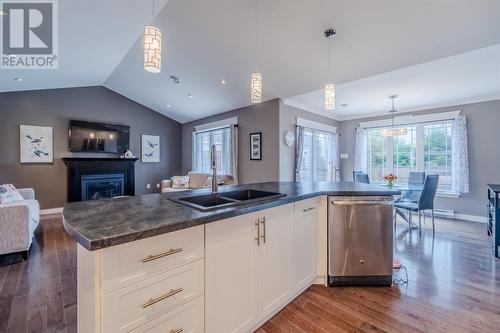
[
  {"x": 51, "y": 211},
  {"x": 472, "y": 218}
]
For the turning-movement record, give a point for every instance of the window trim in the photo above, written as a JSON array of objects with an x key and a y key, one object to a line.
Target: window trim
[
  {"x": 411, "y": 119},
  {"x": 216, "y": 125},
  {"x": 316, "y": 126}
]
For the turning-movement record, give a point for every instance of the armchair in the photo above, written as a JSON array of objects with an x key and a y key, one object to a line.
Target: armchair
[{"x": 18, "y": 221}]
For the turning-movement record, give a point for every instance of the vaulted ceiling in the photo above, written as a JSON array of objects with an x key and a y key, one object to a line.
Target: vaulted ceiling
[{"x": 205, "y": 41}]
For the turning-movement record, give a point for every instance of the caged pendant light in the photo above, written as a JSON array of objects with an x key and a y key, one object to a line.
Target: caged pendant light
[
  {"x": 152, "y": 47},
  {"x": 393, "y": 131},
  {"x": 330, "y": 86},
  {"x": 256, "y": 77}
]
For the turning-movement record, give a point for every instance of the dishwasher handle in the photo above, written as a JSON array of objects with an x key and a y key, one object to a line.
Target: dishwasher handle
[{"x": 361, "y": 202}]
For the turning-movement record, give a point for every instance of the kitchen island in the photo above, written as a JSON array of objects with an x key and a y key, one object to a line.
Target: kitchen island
[{"x": 148, "y": 263}]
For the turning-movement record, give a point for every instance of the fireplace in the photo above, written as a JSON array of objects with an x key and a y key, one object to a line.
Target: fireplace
[
  {"x": 99, "y": 178},
  {"x": 95, "y": 187}
]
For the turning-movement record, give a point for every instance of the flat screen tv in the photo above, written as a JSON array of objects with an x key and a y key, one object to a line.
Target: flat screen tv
[{"x": 94, "y": 137}]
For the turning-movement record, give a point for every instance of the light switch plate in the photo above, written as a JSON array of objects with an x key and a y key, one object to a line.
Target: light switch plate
[{"x": 344, "y": 156}]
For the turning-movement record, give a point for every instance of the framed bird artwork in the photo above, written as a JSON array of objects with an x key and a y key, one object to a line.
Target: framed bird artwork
[
  {"x": 36, "y": 144},
  {"x": 150, "y": 148}
]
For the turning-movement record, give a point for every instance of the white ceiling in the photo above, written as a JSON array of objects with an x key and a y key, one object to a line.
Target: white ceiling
[
  {"x": 206, "y": 40},
  {"x": 466, "y": 78}
]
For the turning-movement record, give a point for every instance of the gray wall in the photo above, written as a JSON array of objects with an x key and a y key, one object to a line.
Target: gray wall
[
  {"x": 288, "y": 120},
  {"x": 55, "y": 108},
  {"x": 483, "y": 123},
  {"x": 263, "y": 118}
]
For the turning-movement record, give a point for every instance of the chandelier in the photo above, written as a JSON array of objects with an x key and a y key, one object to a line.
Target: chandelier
[{"x": 393, "y": 130}]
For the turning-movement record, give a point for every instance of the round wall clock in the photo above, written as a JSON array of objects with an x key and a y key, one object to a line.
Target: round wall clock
[{"x": 289, "y": 139}]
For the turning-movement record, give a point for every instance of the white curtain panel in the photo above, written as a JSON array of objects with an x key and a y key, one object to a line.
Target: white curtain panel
[
  {"x": 234, "y": 152},
  {"x": 361, "y": 151},
  {"x": 299, "y": 150},
  {"x": 459, "y": 156},
  {"x": 336, "y": 157}
]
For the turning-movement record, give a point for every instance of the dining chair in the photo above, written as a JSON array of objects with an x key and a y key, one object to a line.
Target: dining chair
[
  {"x": 360, "y": 177},
  {"x": 415, "y": 182},
  {"x": 425, "y": 202}
]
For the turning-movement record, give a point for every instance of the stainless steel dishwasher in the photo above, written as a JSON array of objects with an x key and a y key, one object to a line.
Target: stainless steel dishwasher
[{"x": 360, "y": 240}]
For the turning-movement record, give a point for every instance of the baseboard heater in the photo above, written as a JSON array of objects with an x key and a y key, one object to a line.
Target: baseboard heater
[{"x": 445, "y": 213}]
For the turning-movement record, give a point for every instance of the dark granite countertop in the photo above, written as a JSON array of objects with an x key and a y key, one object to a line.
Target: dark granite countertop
[
  {"x": 494, "y": 187},
  {"x": 104, "y": 223}
]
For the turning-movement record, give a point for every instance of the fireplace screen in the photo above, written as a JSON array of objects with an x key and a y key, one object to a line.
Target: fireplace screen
[{"x": 95, "y": 187}]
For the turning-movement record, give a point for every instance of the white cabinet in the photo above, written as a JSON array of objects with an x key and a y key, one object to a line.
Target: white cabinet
[
  {"x": 248, "y": 260},
  {"x": 275, "y": 252},
  {"x": 231, "y": 275},
  {"x": 304, "y": 243}
]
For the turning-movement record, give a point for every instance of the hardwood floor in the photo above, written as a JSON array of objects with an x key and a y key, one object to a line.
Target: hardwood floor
[
  {"x": 454, "y": 286},
  {"x": 39, "y": 295}
]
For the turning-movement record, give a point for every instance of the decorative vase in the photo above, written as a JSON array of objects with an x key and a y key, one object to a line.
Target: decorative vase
[{"x": 390, "y": 183}]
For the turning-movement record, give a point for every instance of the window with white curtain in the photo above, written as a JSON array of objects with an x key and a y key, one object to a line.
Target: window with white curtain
[
  {"x": 202, "y": 143},
  {"x": 318, "y": 157},
  {"x": 425, "y": 147}
]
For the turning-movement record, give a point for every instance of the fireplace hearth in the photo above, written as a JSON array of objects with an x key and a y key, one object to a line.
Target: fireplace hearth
[{"x": 99, "y": 178}]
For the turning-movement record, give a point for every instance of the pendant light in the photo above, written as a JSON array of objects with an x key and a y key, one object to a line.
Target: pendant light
[
  {"x": 256, "y": 77},
  {"x": 330, "y": 86},
  {"x": 152, "y": 47},
  {"x": 393, "y": 131}
]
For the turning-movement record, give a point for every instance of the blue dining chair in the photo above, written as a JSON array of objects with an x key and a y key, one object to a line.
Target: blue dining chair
[
  {"x": 360, "y": 177},
  {"x": 425, "y": 202},
  {"x": 415, "y": 183}
]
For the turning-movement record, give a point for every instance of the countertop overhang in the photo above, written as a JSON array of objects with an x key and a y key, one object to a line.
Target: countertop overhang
[{"x": 103, "y": 223}]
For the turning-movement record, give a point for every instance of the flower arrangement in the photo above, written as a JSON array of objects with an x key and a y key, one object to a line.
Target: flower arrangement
[{"x": 389, "y": 179}]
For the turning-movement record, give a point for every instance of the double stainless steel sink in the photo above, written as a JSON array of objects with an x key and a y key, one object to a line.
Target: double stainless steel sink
[{"x": 214, "y": 201}]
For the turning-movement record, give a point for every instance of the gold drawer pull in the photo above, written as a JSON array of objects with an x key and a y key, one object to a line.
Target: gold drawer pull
[
  {"x": 179, "y": 330},
  {"x": 152, "y": 301},
  {"x": 308, "y": 209},
  {"x": 152, "y": 257}
]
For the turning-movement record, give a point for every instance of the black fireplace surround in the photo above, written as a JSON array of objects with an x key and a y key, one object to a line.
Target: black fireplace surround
[{"x": 97, "y": 178}]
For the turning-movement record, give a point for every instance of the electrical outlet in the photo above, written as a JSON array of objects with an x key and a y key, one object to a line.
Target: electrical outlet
[
  {"x": 158, "y": 185},
  {"x": 344, "y": 156},
  {"x": 148, "y": 186}
]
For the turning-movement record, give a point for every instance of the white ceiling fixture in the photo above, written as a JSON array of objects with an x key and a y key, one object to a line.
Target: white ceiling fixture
[
  {"x": 223, "y": 82},
  {"x": 19, "y": 79},
  {"x": 256, "y": 77},
  {"x": 330, "y": 86},
  {"x": 393, "y": 130},
  {"x": 152, "y": 46}
]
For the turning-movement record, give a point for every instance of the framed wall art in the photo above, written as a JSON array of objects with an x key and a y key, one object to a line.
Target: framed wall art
[
  {"x": 36, "y": 144},
  {"x": 256, "y": 146}
]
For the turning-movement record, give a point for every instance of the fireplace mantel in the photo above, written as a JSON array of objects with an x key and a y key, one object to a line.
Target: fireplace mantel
[{"x": 82, "y": 166}]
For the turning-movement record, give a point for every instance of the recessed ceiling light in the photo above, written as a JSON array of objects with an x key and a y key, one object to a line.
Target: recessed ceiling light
[
  {"x": 19, "y": 79},
  {"x": 174, "y": 79},
  {"x": 344, "y": 105},
  {"x": 223, "y": 82},
  {"x": 168, "y": 106},
  {"x": 190, "y": 95}
]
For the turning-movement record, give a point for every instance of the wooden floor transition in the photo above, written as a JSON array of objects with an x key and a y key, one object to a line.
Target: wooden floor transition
[{"x": 454, "y": 286}]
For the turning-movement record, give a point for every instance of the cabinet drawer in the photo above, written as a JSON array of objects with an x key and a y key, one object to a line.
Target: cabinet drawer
[
  {"x": 188, "y": 318},
  {"x": 306, "y": 206},
  {"x": 130, "y": 263},
  {"x": 135, "y": 305}
]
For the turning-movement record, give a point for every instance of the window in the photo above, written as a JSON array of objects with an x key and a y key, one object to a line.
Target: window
[
  {"x": 319, "y": 156},
  {"x": 425, "y": 147},
  {"x": 203, "y": 142},
  {"x": 437, "y": 150}
]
